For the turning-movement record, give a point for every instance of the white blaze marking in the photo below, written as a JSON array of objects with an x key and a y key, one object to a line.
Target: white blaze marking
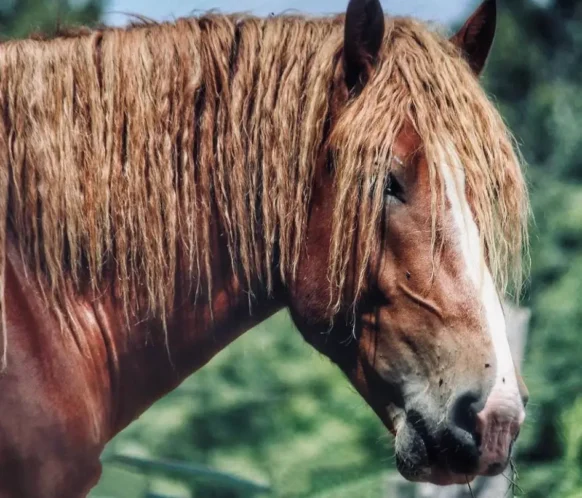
[{"x": 505, "y": 387}]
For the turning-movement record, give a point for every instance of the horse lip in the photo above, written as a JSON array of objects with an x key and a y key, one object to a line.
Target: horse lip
[
  {"x": 436, "y": 475},
  {"x": 430, "y": 469}
]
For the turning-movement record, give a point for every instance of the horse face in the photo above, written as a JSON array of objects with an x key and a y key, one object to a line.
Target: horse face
[
  {"x": 427, "y": 346},
  {"x": 433, "y": 333},
  {"x": 428, "y": 349}
]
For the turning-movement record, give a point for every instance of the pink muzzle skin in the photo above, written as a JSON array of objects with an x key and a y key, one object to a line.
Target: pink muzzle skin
[{"x": 498, "y": 425}]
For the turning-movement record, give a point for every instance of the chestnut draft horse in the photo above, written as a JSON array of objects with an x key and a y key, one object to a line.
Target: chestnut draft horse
[{"x": 166, "y": 187}]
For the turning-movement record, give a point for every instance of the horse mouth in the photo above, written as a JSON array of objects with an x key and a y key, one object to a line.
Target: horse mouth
[
  {"x": 443, "y": 458},
  {"x": 419, "y": 458},
  {"x": 418, "y": 466},
  {"x": 435, "y": 474}
]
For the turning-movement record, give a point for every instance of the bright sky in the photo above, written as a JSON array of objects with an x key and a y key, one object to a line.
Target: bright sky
[{"x": 443, "y": 11}]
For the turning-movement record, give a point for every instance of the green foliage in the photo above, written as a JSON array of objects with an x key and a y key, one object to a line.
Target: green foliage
[
  {"x": 18, "y": 18},
  {"x": 535, "y": 73},
  {"x": 572, "y": 484}
]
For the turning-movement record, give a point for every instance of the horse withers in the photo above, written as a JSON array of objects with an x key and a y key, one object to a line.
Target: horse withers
[{"x": 165, "y": 187}]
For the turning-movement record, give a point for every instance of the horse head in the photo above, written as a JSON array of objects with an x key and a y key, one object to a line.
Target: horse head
[{"x": 417, "y": 213}]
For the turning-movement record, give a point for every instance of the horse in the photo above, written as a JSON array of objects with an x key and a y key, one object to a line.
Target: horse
[{"x": 167, "y": 186}]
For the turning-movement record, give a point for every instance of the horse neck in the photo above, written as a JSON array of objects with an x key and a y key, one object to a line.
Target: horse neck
[
  {"x": 254, "y": 159},
  {"x": 244, "y": 262},
  {"x": 123, "y": 366},
  {"x": 149, "y": 358}
]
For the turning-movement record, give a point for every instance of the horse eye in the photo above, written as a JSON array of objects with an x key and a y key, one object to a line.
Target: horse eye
[{"x": 394, "y": 188}]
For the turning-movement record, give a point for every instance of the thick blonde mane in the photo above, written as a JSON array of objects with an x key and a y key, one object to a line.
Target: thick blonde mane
[
  {"x": 118, "y": 146},
  {"x": 422, "y": 78}
]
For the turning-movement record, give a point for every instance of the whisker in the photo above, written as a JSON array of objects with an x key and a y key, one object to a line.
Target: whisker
[{"x": 469, "y": 486}]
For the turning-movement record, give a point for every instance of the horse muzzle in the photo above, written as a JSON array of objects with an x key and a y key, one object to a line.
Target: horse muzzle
[{"x": 476, "y": 438}]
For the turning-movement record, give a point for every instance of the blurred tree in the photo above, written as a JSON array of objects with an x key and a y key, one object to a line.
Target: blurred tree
[
  {"x": 571, "y": 486},
  {"x": 21, "y": 17},
  {"x": 535, "y": 74}
]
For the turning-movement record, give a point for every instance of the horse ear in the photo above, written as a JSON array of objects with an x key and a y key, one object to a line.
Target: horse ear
[
  {"x": 364, "y": 31},
  {"x": 476, "y": 36}
]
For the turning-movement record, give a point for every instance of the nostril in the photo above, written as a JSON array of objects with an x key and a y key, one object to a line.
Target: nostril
[
  {"x": 525, "y": 400},
  {"x": 465, "y": 409}
]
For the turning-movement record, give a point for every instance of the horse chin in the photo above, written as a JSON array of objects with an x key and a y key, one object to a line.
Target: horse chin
[
  {"x": 414, "y": 464},
  {"x": 442, "y": 477},
  {"x": 412, "y": 459},
  {"x": 435, "y": 475}
]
